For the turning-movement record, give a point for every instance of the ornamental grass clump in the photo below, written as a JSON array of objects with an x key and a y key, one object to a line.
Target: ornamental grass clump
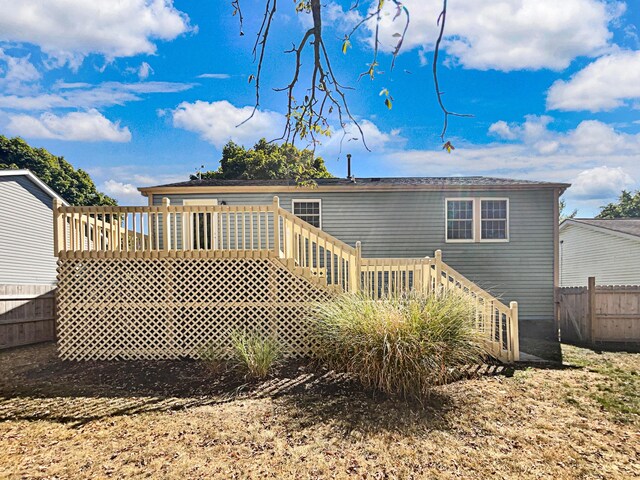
[
  {"x": 254, "y": 354},
  {"x": 403, "y": 345}
]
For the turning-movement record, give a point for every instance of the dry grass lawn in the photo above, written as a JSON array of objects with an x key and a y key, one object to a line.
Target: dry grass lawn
[{"x": 177, "y": 420}]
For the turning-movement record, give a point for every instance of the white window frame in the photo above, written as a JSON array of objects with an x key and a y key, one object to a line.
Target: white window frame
[
  {"x": 507, "y": 232},
  {"x": 476, "y": 220},
  {"x": 303, "y": 200},
  {"x": 473, "y": 220}
]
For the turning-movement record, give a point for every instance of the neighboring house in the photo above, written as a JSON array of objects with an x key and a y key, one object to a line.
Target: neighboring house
[
  {"x": 606, "y": 249},
  {"x": 26, "y": 229},
  {"x": 500, "y": 233}
]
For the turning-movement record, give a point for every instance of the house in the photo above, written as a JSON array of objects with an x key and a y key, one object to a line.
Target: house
[
  {"x": 26, "y": 231},
  {"x": 501, "y": 234},
  {"x": 607, "y": 249},
  {"x": 27, "y": 261}
]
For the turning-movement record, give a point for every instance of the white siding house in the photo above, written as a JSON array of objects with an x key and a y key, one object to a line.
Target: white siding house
[
  {"x": 26, "y": 229},
  {"x": 606, "y": 249}
]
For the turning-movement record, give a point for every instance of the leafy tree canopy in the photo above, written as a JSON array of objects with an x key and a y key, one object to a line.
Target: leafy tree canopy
[
  {"x": 267, "y": 161},
  {"x": 628, "y": 206},
  {"x": 75, "y": 186}
]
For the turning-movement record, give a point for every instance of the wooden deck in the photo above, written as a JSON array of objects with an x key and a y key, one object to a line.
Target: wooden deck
[{"x": 109, "y": 238}]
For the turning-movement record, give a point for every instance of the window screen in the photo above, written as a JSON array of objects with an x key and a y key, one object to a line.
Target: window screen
[
  {"x": 459, "y": 219},
  {"x": 308, "y": 210},
  {"x": 494, "y": 219}
]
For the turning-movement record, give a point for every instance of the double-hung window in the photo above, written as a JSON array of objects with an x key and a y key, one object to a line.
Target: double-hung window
[
  {"x": 460, "y": 225},
  {"x": 494, "y": 220},
  {"x": 477, "y": 220},
  {"x": 308, "y": 210}
]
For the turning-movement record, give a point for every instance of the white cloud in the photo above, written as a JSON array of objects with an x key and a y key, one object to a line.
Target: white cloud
[
  {"x": 124, "y": 193},
  {"x": 607, "y": 83},
  {"x": 590, "y": 137},
  {"x": 90, "y": 126},
  {"x": 122, "y": 181},
  {"x": 595, "y": 157},
  {"x": 502, "y": 130},
  {"x": 18, "y": 73},
  {"x": 507, "y": 34},
  {"x": 217, "y": 122},
  {"x": 69, "y": 30},
  {"x": 351, "y": 141},
  {"x": 83, "y": 95},
  {"x": 144, "y": 71},
  {"x": 601, "y": 183},
  {"x": 217, "y": 76}
]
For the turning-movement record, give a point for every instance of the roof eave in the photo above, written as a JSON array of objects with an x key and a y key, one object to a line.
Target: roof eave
[
  {"x": 570, "y": 221},
  {"x": 34, "y": 178},
  {"x": 145, "y": 191}
]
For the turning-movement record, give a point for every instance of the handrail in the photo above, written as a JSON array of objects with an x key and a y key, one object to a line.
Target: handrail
[
  {"x": 268, "y": 231},
  {"x": 496, "y": 322},
  {"x": 317, "y": 253}
]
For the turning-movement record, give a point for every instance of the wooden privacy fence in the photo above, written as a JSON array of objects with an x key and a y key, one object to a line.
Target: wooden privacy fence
[
  {"x": 214, "y": 233},
  {"x": 27, "y": 314},
  {"x": 600, "y": 314}
]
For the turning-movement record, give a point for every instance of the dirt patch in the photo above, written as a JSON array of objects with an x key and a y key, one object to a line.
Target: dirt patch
[{"x": 177, "y": 420}]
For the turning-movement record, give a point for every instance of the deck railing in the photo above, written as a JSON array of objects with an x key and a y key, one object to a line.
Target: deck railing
[{"x": 268, "y": 231}]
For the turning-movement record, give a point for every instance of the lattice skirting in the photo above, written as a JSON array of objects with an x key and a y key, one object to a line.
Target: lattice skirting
[{"x": 174, "y": 308}]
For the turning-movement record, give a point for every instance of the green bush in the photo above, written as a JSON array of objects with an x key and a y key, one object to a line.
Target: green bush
[
  {"x": 254, "y": 354},
  {"x": 403, "y": 345}
]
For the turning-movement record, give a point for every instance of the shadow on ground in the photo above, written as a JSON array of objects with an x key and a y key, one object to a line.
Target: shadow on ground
[{"x": 36, "y": 385}]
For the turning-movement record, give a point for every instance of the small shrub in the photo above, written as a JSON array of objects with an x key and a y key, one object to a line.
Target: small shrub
[
  {"x": 214, "y": 359},
  {"x": 403, "y": 345},
  {"x": 254, "y": 354}
]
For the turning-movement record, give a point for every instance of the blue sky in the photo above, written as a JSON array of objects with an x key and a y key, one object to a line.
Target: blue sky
[{"x": 143, "y": 92}]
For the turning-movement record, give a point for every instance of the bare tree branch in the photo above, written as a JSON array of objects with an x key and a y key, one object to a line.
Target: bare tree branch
[
  {"x": 442, "y": 18},
  {"x": 261, "y": 43},
  {"x": 310, "y": 110},
  {"x": 235, "y": 4}
]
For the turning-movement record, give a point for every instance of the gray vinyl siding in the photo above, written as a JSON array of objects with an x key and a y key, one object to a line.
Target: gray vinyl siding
[
  {"x": 26, "y": 233},
  {"x": 585, "y": 253},
  {"x": 412, "y": 224}
]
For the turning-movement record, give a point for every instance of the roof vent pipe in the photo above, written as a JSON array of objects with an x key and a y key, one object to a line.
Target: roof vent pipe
[{"x": 349, "y": 166}]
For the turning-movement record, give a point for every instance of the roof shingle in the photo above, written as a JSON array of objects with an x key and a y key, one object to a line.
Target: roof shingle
[
  {"x": 368, "y": 182},
  {"x": 630, "y": 226}
]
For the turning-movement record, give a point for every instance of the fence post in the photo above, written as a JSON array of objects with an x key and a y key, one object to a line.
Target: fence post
[
  {"x": 356, "y": 269},
  {"x": 514, "y": 331},
  {"x": 276, "y": 226},
  {"x": 426, "y": 274},
  {"x": 59, "y": 231},
  {"x": 591, "y": 317},
  {"x": 438, "y": 283},
  {"x": 165, "y": 223}
]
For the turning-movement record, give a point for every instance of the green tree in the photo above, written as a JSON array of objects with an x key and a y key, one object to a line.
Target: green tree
[
  {"x": 628, "y": 206},
  {"x": 267, "y": 161},
  {"x": 75, "y": 186}
]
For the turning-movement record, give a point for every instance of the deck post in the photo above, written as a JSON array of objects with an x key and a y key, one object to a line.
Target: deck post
[
  {"x": 438, "y": 283},
  {"x": 165, "y": 223},
  {"x": 355, "y": 269},
  {"x": 515, "y": 340},
  {"x": 276, "y": 227},
  {"x": 426, "y": 274},
  {"x": 58, "y": 228}
]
